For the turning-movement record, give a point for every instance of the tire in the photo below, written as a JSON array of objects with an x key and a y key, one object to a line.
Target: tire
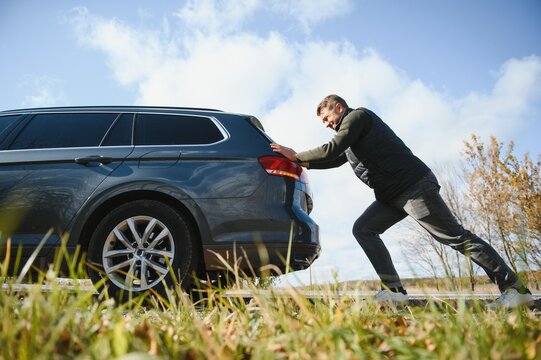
[{"x": 135, "y": 247}]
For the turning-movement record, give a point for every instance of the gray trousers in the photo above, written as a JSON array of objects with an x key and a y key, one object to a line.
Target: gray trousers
[{"x": 423, "y": 203}]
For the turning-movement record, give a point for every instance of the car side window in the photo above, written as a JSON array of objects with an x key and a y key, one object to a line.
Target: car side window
[
  {"x": 121, "y": 133},
  {"x": 64, "y": 130},
  {"x": 155, "y": 129},
  {"x": 7, "y": 123}
]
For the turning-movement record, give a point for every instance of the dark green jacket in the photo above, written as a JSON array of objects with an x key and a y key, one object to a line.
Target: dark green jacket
[{"x": 378, "y": 157}]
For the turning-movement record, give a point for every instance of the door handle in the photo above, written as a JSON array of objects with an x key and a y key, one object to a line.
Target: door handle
[{"x": 95, "y": 158}]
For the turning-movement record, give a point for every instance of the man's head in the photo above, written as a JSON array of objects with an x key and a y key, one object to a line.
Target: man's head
[{"x": 331, "y": 109}]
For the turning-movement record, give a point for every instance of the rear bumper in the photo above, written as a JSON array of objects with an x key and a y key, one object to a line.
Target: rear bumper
[
  {"x": 260, "y": 243},
  {"x": 256, "y": 258}
]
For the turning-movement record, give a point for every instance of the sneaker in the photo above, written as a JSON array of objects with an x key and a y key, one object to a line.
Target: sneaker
[
  {"x": 389, "y": 297},
  {"x": 511, "y": 299}
]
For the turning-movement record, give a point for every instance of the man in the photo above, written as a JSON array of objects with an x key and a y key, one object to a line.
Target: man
[{"x": 403, "y": 185}]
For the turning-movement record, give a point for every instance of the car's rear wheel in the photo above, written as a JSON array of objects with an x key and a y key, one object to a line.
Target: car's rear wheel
[{"x": 138, "y": 245}]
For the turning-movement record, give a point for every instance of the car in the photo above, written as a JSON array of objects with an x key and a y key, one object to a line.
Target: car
[{"x": 151, "y": 195}]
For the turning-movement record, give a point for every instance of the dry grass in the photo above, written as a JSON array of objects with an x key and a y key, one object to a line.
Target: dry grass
[
  {"x": 77, "y": 324},
  {"x": 62, "y": 325}
]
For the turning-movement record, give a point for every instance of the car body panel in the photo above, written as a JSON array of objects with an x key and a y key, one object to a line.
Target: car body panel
[
  {"x": 234, "y": 206},
  {"x": 51, "y": 188}
]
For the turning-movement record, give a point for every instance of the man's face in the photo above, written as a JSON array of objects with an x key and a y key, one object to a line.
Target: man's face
[{"x": 331, "y": 115}]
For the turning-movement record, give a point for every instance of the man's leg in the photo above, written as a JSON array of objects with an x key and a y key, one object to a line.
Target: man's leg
[
  {"x": 424, "y": 203},
  {"x": 377, "y": 218}
]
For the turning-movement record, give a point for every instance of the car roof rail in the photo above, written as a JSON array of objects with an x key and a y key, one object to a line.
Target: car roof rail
[{"x": 109, "y": 107}]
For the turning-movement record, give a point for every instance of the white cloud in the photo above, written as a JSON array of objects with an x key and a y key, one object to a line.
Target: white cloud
[
  {"x": 507, "y": 108},
  {"x": 45, "y": 92},
  {"x": 310, "y": 12},
  {"x": 228, "y": 16},
  {"x": 281, "y": 81},
  {"x": 241, "y": 72},
  {"x": 222, "y": 16},
  {"x": 132, "y": 55}
]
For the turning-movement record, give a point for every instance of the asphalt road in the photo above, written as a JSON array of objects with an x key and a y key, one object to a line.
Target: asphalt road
[{"x": 416, "y": 298}]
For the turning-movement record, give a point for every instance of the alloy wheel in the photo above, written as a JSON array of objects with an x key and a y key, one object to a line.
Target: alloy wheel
[{"x": 138, "y": 252}]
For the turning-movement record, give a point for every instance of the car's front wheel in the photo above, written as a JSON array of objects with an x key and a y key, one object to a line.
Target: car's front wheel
[{"x": 138, "y": 245}]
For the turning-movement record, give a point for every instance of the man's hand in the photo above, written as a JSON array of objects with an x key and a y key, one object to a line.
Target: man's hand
[{"x": 287, "y": 152}]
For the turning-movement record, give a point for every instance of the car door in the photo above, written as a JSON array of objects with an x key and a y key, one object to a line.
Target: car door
[
  {"x": 11, "y": 173},
  {"x": 65, "y": 157}
]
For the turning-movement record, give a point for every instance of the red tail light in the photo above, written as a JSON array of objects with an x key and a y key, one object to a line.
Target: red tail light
[{"x": 279, "y": 166}]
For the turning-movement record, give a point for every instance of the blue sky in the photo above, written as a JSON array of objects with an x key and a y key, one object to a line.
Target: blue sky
[{"x": 436, "y": 71}]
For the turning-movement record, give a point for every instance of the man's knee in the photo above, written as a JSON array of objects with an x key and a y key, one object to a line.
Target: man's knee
[{"x": 362, "y": 233}]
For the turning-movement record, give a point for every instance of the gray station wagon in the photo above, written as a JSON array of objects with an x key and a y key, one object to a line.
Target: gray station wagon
[{"x": 143, "y": 190}]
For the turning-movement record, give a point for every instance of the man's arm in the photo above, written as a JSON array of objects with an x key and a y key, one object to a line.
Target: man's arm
[
  {"x": 328, "y": 164},
  {"x": 349, "y": 132},
  {"x": 325, "y": 164},
  {"x": 330, "y": 154}
]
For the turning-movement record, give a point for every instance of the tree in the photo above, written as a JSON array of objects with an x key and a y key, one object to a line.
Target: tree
[
  {"x": 525, "y": 178},
  {"x": 506, "y": 194}
]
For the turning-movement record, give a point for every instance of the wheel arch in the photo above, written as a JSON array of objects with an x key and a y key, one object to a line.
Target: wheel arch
[{"x": 87, "y": 228}]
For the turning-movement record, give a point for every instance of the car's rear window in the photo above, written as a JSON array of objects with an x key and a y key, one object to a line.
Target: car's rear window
[
  {"x": 160, "y": 129},
  {"x": 64, "y": 130}
]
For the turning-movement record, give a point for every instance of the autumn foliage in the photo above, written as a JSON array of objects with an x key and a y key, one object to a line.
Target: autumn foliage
[{"x": 505, "y": 193}]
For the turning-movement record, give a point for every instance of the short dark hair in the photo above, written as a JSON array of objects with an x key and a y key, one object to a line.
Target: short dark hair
[{"x": 329, "y": 101}]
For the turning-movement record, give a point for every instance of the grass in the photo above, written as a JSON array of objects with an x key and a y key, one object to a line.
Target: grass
[
  {"x": 78, "y": 324},
  {"x": 62, "y": 325}
]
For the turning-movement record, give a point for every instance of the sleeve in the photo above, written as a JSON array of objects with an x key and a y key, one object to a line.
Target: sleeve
[
  {"x": 349, "y": 132},
  {"x": 328, "y": 164}
]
